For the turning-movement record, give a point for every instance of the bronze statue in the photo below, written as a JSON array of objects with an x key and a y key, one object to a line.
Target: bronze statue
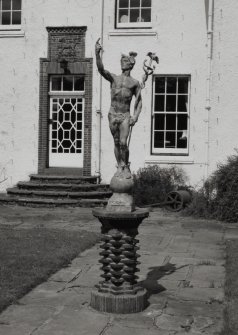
[
  {"x": 119, "y": 291},
  {"x": 123, "y": 88}
]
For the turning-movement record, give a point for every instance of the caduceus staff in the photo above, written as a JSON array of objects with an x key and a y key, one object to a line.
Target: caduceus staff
[{"x": 149, "y": 70}]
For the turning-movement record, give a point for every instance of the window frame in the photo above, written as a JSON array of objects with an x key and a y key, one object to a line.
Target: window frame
[
  {"x": 11, "y": 26},
  {"x": 171, "y": 151},
  {"x": 64, "y": 92},
  {"x": 51, "y": 111},
  {"x": 55, "y": 158},
  {"x": 131, "y": 25}
]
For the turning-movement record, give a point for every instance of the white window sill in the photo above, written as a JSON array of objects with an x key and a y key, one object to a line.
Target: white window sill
[
  {"x": 168, "y": 160},
  {"x": 132, "y": 32},
  {"x": 134, "y": 24},
  {"x": 67, "y": 93},
  {"x": 10, "y": 31}
]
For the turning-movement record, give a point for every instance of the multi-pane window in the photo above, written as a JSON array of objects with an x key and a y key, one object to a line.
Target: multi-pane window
[
  {"x": 10, "y": 12},
  {"x": 170, "y": 115},
  {"x": 133, "y": 13},
  {"x": 67, "y": 83},
  {"x": 67, "y": 125},
  {"x": 66, "y": 121}
]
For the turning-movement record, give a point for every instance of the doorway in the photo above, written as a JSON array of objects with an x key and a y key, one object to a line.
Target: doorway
[{"x": 66, "y": 123}]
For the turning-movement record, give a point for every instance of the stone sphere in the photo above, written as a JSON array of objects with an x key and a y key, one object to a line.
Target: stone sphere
[{"x": 122, "y": 185}]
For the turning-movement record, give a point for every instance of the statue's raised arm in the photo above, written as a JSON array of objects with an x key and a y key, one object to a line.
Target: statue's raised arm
[{"x": 106, "y": 74}]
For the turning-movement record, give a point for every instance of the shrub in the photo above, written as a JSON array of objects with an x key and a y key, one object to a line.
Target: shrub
[
  {"x": 201, "y": 204},
  {"x": 153, "y": 183},
  {"x": 218, "y": 198}
]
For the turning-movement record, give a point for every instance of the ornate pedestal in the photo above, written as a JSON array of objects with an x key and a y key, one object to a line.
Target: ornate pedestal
[{"x": 119, "y": 291}]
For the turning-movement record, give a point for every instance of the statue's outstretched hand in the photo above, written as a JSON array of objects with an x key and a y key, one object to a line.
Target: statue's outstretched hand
[{"x": 98, "y": 47}]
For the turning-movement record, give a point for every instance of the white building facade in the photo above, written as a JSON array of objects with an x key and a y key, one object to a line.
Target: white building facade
[{"x": 54, "y": 104}]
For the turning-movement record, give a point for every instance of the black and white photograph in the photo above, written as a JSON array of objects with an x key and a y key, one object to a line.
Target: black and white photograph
[{"x": 118, "y": 167}]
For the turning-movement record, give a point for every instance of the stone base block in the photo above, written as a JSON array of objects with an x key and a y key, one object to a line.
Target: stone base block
[
  {"x": 121, "y": 202},
  {"x": 121, "y": 304}
]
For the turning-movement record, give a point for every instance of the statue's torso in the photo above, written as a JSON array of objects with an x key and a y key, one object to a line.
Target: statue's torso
[{"x": 122, "y": 90}]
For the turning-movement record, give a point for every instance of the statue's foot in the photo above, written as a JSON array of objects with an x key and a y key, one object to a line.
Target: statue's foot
[
  {"x": 119, "y": 171},
  {"x": 127, "y": 172}
]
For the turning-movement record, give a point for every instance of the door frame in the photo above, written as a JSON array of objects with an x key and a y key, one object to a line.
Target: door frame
[
  {"x": 55, "y": 158},
  {"x": 48, "y": 68},
  {"x": 66, "y": 55}
]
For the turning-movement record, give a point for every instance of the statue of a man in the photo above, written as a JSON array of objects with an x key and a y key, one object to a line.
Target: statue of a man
[{"x": 123, "y": 88}]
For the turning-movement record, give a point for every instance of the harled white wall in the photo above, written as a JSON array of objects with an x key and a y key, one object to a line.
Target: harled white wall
[
  {"x": 178, "y": 37},
  {"x": 180, "y": 43},
  {"x": 224, "y": 112},
  {"x": 19, "y": 68}
]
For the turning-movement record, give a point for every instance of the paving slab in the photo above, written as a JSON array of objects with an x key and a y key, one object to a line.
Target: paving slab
[
  {"x": 74, "y": 322},
  {"x": 181, "y": 267},
  {"x": 201, "y": 294},
  {"x": 210, "y": 276},
  {"x": 24, "y": 319},
  {"x": 189, "y": 308},
  {"x": 116, "y": 329},
  {"x": 71, "y": 297}
]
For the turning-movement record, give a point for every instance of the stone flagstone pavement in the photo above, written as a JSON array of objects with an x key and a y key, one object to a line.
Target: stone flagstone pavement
[{"x": 182, "y": 267}]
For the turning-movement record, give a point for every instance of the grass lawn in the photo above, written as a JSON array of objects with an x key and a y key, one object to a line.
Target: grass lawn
[
  {"x": 231, "y": 290},
  {"x": 29, "y": 256}
]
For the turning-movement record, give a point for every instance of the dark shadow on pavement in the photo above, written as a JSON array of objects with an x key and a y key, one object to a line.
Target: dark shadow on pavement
[{"x": 154, "y": 275}]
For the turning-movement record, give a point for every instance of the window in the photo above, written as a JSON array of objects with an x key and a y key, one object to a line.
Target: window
[
  {"x": 66, "y": 125},
  {"x": 170, "y": 118},
  {"x": 133, "y": 13},
  {"x": 67, "y": 83},
  {"x": 10, "y": 13}
]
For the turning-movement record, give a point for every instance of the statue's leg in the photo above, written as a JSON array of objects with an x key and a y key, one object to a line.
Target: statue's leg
[
  {"x": 117, "y": 148},
  {"x": 124, "y": 133},
  {"x": 115, "y": 133}
]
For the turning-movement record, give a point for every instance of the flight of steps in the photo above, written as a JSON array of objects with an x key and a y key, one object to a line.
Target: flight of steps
[{"x": 54, "y": 190}]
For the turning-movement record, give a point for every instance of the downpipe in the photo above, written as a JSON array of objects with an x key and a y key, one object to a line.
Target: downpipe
[
  {"x": 208, "y": 81},
  {"x": 99, "y": 111}
]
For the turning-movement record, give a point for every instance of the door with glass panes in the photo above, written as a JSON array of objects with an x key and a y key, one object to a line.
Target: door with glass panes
[{"x": 66, "y": 126}]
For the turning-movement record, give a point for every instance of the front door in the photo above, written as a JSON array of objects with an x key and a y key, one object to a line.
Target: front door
[{"x": 66, "y": 128}]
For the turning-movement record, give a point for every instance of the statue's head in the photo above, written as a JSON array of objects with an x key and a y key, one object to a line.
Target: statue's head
[{"x": 128, "y": 61}]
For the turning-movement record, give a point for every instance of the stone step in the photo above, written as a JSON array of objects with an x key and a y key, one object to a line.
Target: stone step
[
  {"x": 73, "y": 179},
  {"x": 58, "y": 190},
  {"x": 62, "y": 186},
  {"x": 58, "y": 194},
  {"x": 48, "y": 202}
]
